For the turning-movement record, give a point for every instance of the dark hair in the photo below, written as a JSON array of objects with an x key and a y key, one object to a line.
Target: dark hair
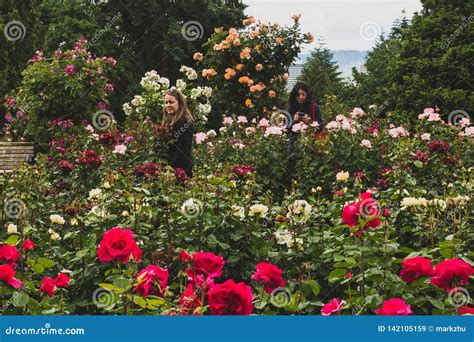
[{"x": 293, "y": 105}]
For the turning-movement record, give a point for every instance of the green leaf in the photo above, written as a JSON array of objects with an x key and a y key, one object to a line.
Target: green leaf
[
  {"x": 38, "y": 268},
  {"x": 12, "y": 240},
  {"x": 436, "y": 303},
  {"x": 47, "y": 263},
  {"x": 140, "y": 301},
  {"x": 122, "y": 283},
  {"x": 418, "y": 164},
  {"x": 335, "y": 275},
  {"x": 20, "y": 299},
  {"x": 109, "y": 287}
]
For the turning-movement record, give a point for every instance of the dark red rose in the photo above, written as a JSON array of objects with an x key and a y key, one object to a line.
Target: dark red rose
[
  {"x": 62, "y": 280},
  {"x": 47, "y": 286},
  {"x": 438, "y": 146},
  {"x": 421, "y": 156},
  {"x": 119, "y": 245},
  {"x": 28, "y": 245},
  {"x": 65, "y": 165},
  {"x": 242, "y": 170},
  {"x": 180, "y": 174},
  {"x": 109, "y": 138},
  {"x": 382, "y": 183},
  {"x": 450, "y": 160},
  {"x": 451, "y": 273},
  {"x": 269, "y": 275},
  {"x": 230, "y": 298},
  {"x": 415, "y": 268},
  {"x": 7, "y": 274},
  {"x": 89, "y": 158},
  {"x": 152, "y": 280},
  {"x": 394, "y": 307},
  {"x": 333, "y": 307},
  {"x": 9, "y": 253},
  {"x": 147, "y": 170}
]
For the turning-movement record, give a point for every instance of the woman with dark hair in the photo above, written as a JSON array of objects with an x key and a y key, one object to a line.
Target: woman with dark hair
[
  {"x": 178, "y": 119},
  {"x": 301, "y": 109}
]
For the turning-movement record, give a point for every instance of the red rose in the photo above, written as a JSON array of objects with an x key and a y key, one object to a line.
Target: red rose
[
  {"x": 269, "y": 275},
  {"x": 148, "y": 278},
  {"x": 47, "y": 286},
  {"x": 200, "y": 281},
  {"x": 28, "y": 245},
  {"x": 386, "y": 212},
  {"x": 230, "y": 298},
  {"x": 185, "y": 256},
  {"x": 7, "y": 274},
  {"x": 451, "y": 273},
  {"x": 394, "y": 307},
  {"x": 365, "y": 208},
  {"x": 118, "y": 244},
  {"x": 350, "y": 214},
  {"x": 208, "y": 263},
  {"x": 333, "y": 307},
  {"x": 414, "y": 268},
  {"x": 348, "y": 275},
  {"x": 9, "y": 253},
  {"x": 463, "y": 310},
  {"x": 189, "y": 299},
  {"x": 62, "y": 280}
]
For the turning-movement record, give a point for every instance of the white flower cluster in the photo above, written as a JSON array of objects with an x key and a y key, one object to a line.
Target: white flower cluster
[
  {"x": 153, "y": 81},
  {"x": 283, "y": 237},
  {"x": 191, "y": 74},
  {"x": 299, "y": 211}
]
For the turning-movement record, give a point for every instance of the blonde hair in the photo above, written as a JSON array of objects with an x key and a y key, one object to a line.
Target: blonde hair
[{"x": 183, "y": 110}]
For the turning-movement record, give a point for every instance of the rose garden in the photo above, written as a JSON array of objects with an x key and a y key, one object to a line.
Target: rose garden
[{"x": 373, "y": 218}]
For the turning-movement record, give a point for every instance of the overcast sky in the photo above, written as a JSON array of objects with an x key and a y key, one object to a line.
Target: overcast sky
[{"x": 344, "y": 24}]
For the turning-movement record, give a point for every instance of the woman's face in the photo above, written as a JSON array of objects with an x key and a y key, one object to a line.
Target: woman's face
[
  {"x": 301, "y": 96},
  {"x": 171, "y": 104}
]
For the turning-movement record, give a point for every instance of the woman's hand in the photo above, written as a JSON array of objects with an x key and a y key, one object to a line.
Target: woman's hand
[
  {"x": 305, "y": 119},
  {"x": 296, "y": 117}
]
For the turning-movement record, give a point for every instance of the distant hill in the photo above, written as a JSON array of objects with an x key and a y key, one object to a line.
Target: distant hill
[{"x": 346, "y": 59}]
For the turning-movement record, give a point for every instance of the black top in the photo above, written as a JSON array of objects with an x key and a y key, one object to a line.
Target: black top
[
  {"x": 307, "y": 108},
  {"x": 180, "y": 151}
]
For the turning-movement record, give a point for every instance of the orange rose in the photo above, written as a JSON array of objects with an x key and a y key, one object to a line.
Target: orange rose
[
  {"x": 245, "y": 53},
  {"x": 278, "y": 40},
  {"x": 239, "y": 66},
  {"x": 248, "y": 103},
  {"x": 271, "y": 93},
  {"x": 259, "y": 67},
  {"x": 208, "y": 73},
  {"x": 198, "y": 56}
]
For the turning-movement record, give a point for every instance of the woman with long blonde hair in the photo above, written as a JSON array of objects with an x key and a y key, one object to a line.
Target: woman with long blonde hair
[{"x": 177, "y": 117}]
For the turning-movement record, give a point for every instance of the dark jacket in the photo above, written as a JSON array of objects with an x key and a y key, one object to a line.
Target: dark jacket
[
  {"x": 306, "y": 108},
  {"x": 180, "y": 150}
]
